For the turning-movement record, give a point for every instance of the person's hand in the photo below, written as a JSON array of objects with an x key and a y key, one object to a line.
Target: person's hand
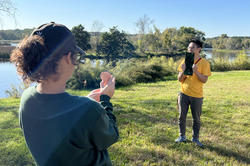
[
  {"x": 109, "y": 89},
  {"x": 194, "y": 67},
  {"x": 183, "y": 67},
  {"x": 95, "y": 94},
  {"x": 105, "y": 77}
]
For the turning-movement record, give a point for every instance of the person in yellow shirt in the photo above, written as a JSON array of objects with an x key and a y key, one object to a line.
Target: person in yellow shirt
[{"x": 192, "y": 91}]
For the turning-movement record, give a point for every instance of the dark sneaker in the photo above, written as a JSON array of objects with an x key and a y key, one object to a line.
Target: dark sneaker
[
  {"x": 197, "y": 142},
  {"x": 181, "y": 139}
]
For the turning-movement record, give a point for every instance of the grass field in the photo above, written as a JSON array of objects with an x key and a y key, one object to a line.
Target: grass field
[{"x": 148, "y": 124}]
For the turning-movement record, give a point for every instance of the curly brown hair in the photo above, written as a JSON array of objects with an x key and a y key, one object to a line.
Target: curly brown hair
[{"x": 32, "y": 60}]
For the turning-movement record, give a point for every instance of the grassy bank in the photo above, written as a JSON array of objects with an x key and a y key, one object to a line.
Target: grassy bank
[
  {"x": 5, "y": 51},
  {"x": 147, "y": 119},
  {"x": 229, "y": 51}
]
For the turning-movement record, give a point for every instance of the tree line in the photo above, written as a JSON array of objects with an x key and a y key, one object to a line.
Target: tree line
[
  {"x": 226, "y": 42},
  {"x": 169, "y": 40},
  {"x": 16, "y": 34},
  {"x": 115, "y": 44}
]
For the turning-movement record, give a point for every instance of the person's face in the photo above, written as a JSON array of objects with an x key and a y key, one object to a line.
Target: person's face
[{"x": 193, "y": 48}]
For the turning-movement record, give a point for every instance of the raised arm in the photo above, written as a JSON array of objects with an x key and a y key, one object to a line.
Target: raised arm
[
  {"x": 181, "y": 75},
  {"x": 200, "y": 76}
]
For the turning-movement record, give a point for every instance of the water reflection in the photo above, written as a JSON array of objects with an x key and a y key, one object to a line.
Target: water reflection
[{"x": 230, "y": 56}]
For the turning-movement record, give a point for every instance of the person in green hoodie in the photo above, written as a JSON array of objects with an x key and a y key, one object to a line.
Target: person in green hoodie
[{"x": 61, "y": 129}]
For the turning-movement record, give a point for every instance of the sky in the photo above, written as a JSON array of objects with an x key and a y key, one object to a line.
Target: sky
[{"x": 213, "y": 17}]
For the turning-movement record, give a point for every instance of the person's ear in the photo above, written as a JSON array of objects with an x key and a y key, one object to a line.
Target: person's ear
[
  {"x": 68, "y": 58},
  {"x": 199, "y": 49}
]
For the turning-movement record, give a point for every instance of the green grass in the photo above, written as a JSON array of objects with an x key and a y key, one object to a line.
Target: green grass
[{"x": 148, "y": 124}]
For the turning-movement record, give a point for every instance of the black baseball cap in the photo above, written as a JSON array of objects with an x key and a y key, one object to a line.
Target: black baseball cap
[{"x": 58, "y": 39}]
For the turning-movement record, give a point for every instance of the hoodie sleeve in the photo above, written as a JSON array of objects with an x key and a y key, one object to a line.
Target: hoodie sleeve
[{"x": 105, "y": 131}]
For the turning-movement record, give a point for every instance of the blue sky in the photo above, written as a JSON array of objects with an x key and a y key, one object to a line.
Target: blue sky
[{"x": 214, "y": 17}]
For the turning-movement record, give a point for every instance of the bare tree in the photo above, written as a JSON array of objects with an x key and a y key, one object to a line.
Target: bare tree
[
  {"x": 7, "y": 8},
  {"x": 96, "y": 28},
  {"x": 143, "y": 25}
]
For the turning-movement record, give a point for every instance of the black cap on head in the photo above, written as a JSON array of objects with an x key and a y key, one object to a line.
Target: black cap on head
[{"x": 57, "y": 38}]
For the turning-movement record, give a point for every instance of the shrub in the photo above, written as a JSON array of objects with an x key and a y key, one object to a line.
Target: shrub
[
  {"x": 136, "y": 71},
  {"x": 4, "y": 56},
  {"x": 5, "y": 52},
  {"x": 241, "y": 62},
  {"x": 16, "y": 91},
  {"x": 126, "y": 72},
  {"x": 86, "y": 76},
  {"x": 220, "y": 64}
]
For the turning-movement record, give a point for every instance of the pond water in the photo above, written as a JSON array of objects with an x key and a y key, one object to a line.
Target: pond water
[
  {"x": 14, "y": 44},
  {"x": 8, "y": 77},
  {"x": 225, "y": 55}
]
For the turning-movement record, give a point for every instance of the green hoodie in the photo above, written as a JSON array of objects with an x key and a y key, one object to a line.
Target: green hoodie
[{"x": 65, "y": 130}]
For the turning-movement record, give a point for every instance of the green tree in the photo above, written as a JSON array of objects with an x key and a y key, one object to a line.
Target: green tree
[
  {"x": 82, "y": 37},
  {"x": 153, "y": 40},
  {"x": 225, "y": 42},
  {"x": 178, "y": 39},
  {"x": 222, "y": 42},
  {"x": 223, "y": 36},
  {"x": 169, "y": 36},
  {"x": 230, "y": 43},
  {"x": 185, "y": 34},
  {"x": 238, "y": 43},
  {"x": 246, "y": 43},
  {"x": 114, "y": 44}
]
